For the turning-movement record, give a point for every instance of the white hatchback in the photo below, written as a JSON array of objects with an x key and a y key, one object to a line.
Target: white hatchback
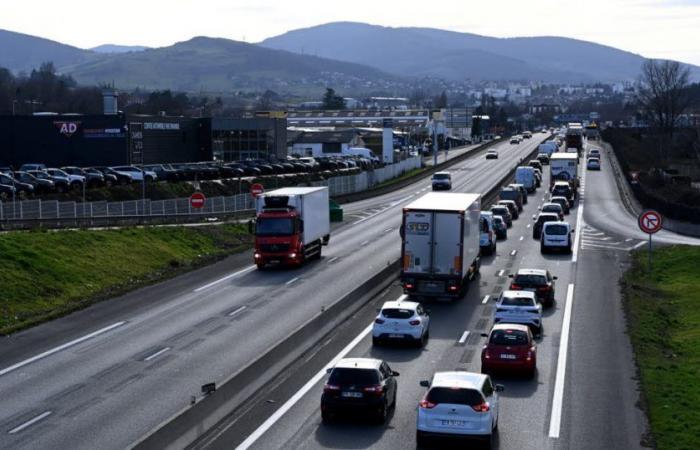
[
  {"x": 458, "y": 405},
  {"x": 519, "y": 307},
  {"x": 401, "y": 321}
]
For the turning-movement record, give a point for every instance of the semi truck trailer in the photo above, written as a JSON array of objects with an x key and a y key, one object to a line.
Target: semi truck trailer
[
  {"x": 440, "y": 244},
  {"x": 291, "y": 226}
]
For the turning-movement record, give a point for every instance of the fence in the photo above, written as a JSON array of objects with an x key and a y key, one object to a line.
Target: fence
[{"x": 53, "y": 210}]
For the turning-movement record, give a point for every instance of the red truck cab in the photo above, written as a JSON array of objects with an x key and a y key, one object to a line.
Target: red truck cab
[{"x": 278, "y": 238}]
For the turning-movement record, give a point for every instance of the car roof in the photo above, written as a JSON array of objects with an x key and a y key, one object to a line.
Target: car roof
[
  {"x": 512, "y": 294},
  {"x": 509, "y": 326},
  {"x": 532, "y": 271},
  {"x": 458, "y": 379},
  {"x": 550, "y": 224},
  {"x": 442, "y": 173},
  {"x": 562, "y": 183},
  {"x": 557, "y": 196},
  {"x": 548, "y": 214},
  {"x": 400, "y": 305},
  {"x": 359, "y": 363},
  {"x": 550, "y": 204}
]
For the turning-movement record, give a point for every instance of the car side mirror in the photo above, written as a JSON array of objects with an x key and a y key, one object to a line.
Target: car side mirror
[
  {"x": 500, "y": 388},
  {"x": 425, "y": 383},
  {"x": 395, "y": 374}
]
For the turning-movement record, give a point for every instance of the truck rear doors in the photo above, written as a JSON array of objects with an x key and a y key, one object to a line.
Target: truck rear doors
[{"x": 432, "y": 243}]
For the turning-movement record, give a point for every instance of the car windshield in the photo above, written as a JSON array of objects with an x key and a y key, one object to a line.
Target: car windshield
[
  {"x": 551, "y": 208},
  {"x": 395, "y": 313},
  {"x": 455, "y": 396},
  {"x": 502, "y": 211},
  {"x": 508, "y": 337},
  {"x": 530, "y": 280},
  {"x": 274, "y": 227},
  {"x": 58, "y": 172},
  {"x": 345, "y": 376},
  {"x": 441, "y": 176},
  {"x": 517, "y": 301},
  {"x": 557, "y": 230},
  {"x": 498, "y": 220}
]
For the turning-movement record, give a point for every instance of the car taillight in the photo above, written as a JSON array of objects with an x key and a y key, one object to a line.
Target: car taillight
[
  {"x": 408, "y": 285},
  {"x": 514, "y": 286},
  {"x": 530, "y": 352},
  {"x": 377, "y": 389},
  {"x": 427, "y": 404},
  {"x": 331, "y": 388},
  {"x": 414, "y": 322},
  {"x": 543, "y": 288},
  {"x": 379, "y": 321},
  {"x": 482, "y": 407}
]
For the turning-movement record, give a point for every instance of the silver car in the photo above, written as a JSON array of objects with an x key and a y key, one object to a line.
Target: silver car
[{"x": 519, "y": 307}]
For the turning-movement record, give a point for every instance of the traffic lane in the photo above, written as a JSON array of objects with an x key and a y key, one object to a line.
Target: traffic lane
[
  {"x": 602, "y": 408},
  {"x": 150, "y": 339},
  {"x": 524, "y": 403},
  {"x": 608, "y": 212}
]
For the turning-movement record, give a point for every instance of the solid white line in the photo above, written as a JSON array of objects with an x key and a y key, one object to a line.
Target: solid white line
[
  {"x": 333, "y": 259},
  {"x": 464, "y": 337},
  {"x": 241, "y": 309},
  {"x": 485, "y": 300},
  {"x": 29, "y": 423},
  {"x": 633, "y": 248},
  {"x": 579, "y": 225},
  {"x": 402, "y": 297},
  {"x": 513, "y": 253},
  {"x": 629, "y": 240},
  {"x": 157, "y": 354},
  {"x": 227, "y": 277},
  {"x": 558, "y": 396},
  {"x": 501, "y": 272},
  {"x": 293, "y": 280},
  {"x": 289, "y": 404},
  {"x": 60, "y": 347}
]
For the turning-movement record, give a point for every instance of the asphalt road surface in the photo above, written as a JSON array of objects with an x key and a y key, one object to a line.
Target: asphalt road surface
[{"x": 106, "y": 376}]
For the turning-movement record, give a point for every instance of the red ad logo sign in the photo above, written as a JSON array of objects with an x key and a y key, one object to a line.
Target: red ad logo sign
[{"x": 67, "y": 129}]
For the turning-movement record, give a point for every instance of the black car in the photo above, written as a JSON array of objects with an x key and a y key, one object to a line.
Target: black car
[
  {"x": 7, "y": 191},
  {"x": 164, "y": 173},
  {"x": 564, "y": 189},
  {"x": 535, "y": 164},
  {"x": 109, "y": 180},
  {"x": 6, "y": 170},
  {"x": 540, "y": 281},
  {"x": 539, "y": 222},
  {"x": 543, "y": 158},
  {"x": 503, "y": 211},
  {"x": 563, "y": 201},
  {"x": 121, "y": 178},
  {"x": 93, "y": 179},
  {"x": 359, "y": 386},
  {"x": 23, "y": 189},
  {"x": 41, "y": 185},
  {"x": 60, "y": 184}
]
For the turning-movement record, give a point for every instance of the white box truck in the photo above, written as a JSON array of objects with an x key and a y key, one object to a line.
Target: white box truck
[
  {"x": 564, "y": 167},
  {"x": 440, "y": 244},
  {"x": 291, "y": 225}
]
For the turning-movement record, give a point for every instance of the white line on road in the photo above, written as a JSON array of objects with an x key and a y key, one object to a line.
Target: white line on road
[
  {"x": 237, "y": 311},
  {"x": 579, "y": 226},
  {"x": 387, "y": 230},
  {"x": 558, "y": 396},
  {"x": 30, "y": 422},
  {"x": 289, "y": 404},
  {"x": 501, "y": 272},
  {"x": 333, "y": 259},
  {"x": 629, "y": 240},
  {"x": 522, "y": 237},
  {"x": 227, "y": 277},
  {"x": 514, "y": 252},
  {"x": 364, "y": 243},
  {"x": 639, "y": 245},
  {"x": 485, "y": 300},
  {"x": 157, "y": 354},
  {"x": 293, "y": 280},
  {"x": 528, "y": 225},
  {"x": 464, "y": 337},
  {"x": 61, "y": 347}
]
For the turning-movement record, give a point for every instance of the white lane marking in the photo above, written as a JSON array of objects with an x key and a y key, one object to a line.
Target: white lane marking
[
  {"x": 629, "y": 240},
  {"x": 227, "y": 277},
  {"x": 633, "y": 248},
  {"x": 485, "y": 300},
  {"x": 522, "y": 237},
  {"x": 402, "y": 297},
  {"x": 391, "y": 205},
  {"x": 558, "y": 396},
  {"x": 514, "y": 252},
  {"x": 387, "y": 230},
  {"x": 364, "y": 243},
  {"x": 464, "y": 337},
  {"x": 157, "y": 354},
  {"x": 501, "y": 272},
  {"x": 528, "y": 225},
  {"x": 237, "y": 311},
  {"x": 333, "y": 259},
  {"x": 30, "y": 422},
  {"x": 293, "y": 280},
  {"x": 60, "y": 348},
  {"x": 289, "y": 404},
  {"x": 579, "y": 225}
]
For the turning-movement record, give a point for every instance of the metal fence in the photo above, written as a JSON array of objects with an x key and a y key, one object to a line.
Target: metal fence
[{"x": 46, "y": 210}]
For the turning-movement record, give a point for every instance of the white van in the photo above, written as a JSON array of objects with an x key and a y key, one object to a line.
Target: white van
[
  {"x": 487, "y": 235},
  {"x": 556, "y": 236},
  {"x": 361, "y": 151},
  {"x": 525, "y": 175}
]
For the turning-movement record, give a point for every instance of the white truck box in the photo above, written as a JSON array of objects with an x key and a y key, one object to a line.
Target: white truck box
[
  {"x": 563, "y": 167},
  {"x": 312, "y": 205},
  {"x": 440, "y": 243}
]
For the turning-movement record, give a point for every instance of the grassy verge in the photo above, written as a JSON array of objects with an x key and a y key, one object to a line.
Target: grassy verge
[
  {"x": 664, "y": 325},
  {"x": 48, "y": 274}
]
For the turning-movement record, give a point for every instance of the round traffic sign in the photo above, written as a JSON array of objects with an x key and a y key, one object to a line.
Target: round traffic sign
[
  {"x": 256, "y": 190},
  {"x": 650, "y": 221},
  {"x": 197, "y": 200}
]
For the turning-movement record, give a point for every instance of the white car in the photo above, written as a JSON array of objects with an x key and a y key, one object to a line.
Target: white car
[
  {"x": 458, "y": 405},
  {"x": 594, "y": 153},
  {"x": 401, "y": 321},
  {"x": 556, "y": 236},
  {"x": 135, "y": 173},
  {"x": 492, "y": 154},
  {"x": 519, "y": 307},
  {"x": 593, "y": 164}
]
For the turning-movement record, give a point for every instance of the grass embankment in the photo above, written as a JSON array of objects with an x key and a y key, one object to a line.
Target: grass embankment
[
  {"x": 664, "y": 325},
  {"x": 44, "y": 275}
]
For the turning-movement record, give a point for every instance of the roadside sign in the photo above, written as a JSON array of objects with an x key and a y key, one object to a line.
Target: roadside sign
[
  {"x": 650, "y": 221},
  {"x": 256, "y": 190},
  {"x": 197, "y": 200}
]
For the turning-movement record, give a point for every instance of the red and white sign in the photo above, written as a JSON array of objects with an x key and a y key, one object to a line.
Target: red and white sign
[
  {"x": 256, "y": 190},
  {"x": 650, "y": 221},
  {"x": 197, "y": 200}
]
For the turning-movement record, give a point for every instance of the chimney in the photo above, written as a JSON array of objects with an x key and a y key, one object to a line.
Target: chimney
[{"x": 109, "y": 102}]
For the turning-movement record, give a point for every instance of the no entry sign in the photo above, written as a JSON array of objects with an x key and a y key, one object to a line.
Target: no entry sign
[
  {"x": 256, "y": 190},
  {"x": 197, "y": 200},
  {"x": 650, "y": 221}
]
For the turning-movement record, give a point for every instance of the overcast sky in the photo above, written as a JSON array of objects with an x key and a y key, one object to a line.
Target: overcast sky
[{"x": 652, "y": 28}]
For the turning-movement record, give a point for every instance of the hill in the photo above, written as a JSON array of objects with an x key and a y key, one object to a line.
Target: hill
[
  {"x": 454, "y": 55},
  {"x": 22, "y": 52},
  {"x": 111, "y": 48}
]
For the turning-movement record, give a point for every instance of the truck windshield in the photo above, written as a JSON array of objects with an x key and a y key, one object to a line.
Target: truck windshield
[{"x": 274, "y": 227}]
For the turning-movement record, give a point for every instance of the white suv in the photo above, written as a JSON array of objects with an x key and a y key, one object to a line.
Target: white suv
[
  {"x": 556, "y": 236},
  {"x": 519, "y": 307},
  {"x": 401, "y": 321},
  {"x": 458, "y": 405}
]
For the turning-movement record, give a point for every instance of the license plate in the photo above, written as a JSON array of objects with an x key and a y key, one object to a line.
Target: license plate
[
  {"x": 351, "y": 394},
  {"x": 453, "y": 423},
  {"x": 507, "y": 356},
  {"x": 395, "y": 336}
]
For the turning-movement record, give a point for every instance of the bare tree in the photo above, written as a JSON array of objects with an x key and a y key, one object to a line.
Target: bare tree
[{"x": 661, "y": 93}]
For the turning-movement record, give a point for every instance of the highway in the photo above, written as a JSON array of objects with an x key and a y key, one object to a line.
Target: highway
[
  {"x": 106, "y": 376},
  {"x": 584, "y": 395}
]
